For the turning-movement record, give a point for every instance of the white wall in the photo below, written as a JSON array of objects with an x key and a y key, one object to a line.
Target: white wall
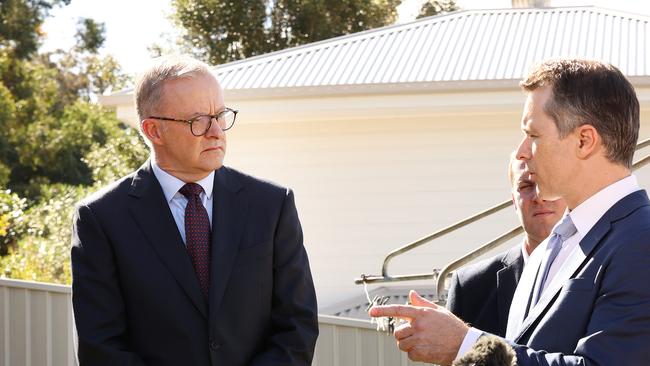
[{"x": 373, "y": 173}]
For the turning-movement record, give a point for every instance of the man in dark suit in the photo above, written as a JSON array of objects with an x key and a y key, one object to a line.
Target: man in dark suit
[
  {"x": 186, "y": 261},
  {"x": 481, "y": 293},
  {"x": 583, "y": 297}
]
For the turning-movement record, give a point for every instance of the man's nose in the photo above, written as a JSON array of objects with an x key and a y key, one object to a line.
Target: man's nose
[
  {"x": 537, "y": 199},
  {"x": 215, "y": 129},
  {"x": 523, "y": 150}
]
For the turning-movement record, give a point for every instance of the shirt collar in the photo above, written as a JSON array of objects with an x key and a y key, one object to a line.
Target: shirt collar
[
  {"x": 170, "y": 184},
  {"x": 587, "y": 214},
  {"x": 524, "y": 252}
]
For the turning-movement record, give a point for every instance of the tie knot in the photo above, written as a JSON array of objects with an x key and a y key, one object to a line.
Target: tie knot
[
  {"x": 190, "y": 190},
  {"x": 565, "y": 229}
]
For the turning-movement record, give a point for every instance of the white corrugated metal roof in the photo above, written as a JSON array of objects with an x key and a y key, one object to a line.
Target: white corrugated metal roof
[{"x": 474, "y": 45}]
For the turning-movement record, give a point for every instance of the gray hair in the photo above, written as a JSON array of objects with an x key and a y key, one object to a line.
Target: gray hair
[{"x": 149, "y": 86}]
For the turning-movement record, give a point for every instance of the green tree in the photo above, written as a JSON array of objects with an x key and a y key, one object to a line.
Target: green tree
[
  {"x": 432, "y": 7},
  {"x": 52, "y": 148},
  {"x": 46, "y": 121},
  {"x": 90, "y": 35},
  {"x": 12, "y": 220},
  {"x": 305, "y": 21},
  {"x": 220, "y": 31},
  {"x": 20, "y": 22},
  {"x": 119, "y": 156},
  {"x": 56, "y": 146},
  {"x": 42, "y": 252},
  {"x": 38, "y": 239}
]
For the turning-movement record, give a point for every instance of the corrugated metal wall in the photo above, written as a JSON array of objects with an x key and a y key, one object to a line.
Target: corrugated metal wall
[
  {"x": 36, "y": 330},
  {"x": 35, "y": 324}
]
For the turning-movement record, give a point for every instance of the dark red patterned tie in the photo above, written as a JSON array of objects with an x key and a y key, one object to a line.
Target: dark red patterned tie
[{"x": 197, "y": 234}]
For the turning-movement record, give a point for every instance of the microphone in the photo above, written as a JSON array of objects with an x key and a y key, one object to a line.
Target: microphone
[{"x": 489, "y": 350}]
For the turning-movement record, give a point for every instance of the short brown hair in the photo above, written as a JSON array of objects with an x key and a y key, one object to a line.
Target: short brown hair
[{"x": 593, "y": 93}]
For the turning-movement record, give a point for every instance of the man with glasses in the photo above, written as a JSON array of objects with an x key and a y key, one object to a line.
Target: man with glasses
[{"x": 186, "y": 261}]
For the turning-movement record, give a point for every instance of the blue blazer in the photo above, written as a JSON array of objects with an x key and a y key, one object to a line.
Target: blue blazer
[
  {"x": 481, "y": 293},
  {"x": 596, "y": 311},
  {"x": 136, "y": 297}
]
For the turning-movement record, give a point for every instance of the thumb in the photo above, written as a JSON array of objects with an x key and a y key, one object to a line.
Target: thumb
[{"x": 417, "y": 300}]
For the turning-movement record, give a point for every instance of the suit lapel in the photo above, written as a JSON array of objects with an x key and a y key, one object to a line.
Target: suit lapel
[
  {"x": 152, "y": 214},
  {"x": 568, "y": 270},
  {"x": 507, "y": 278},
  {"x": 523, "y": 292},
  {"x": 581, "y": 255},
  {"x": 229, "y": 211}
]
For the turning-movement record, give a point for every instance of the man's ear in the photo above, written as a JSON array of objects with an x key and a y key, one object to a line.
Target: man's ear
[
  {"x": 588, "y": 141},
  {"x": 153, "y": 130}
]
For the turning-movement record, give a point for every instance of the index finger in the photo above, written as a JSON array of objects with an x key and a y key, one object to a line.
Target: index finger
[{"x": 395, "y": 311}]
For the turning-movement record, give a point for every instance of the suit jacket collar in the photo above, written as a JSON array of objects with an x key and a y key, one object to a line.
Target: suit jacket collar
[
  {"x": 229, "y": 216},
  {"x": 581, "y": 254},
  {"x": 507, "y": 278},
  {"x": 151, "y": 211}
]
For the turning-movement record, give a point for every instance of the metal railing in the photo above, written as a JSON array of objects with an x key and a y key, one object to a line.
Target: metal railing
[{"x": 441, "y": 275}]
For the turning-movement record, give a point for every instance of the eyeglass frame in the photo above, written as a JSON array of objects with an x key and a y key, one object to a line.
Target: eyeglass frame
[{"x": 193, "y": 119}]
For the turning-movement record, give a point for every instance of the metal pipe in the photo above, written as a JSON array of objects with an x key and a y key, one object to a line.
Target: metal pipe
[
  {"x": 409, "y": 277},
  {"x": 439, "y": 233},
  {"x": 473, "y": 255},
  {"x": 440, "y": 276}
]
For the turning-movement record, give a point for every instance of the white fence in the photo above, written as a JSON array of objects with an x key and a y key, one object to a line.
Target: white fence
[{"x": 36, "y": 330}]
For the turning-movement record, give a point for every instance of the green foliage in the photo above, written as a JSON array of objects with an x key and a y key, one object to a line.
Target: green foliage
[
  {"x": 90, "y": 35},
  {"x": 12, "y": 221},
  {"x": 220, "y": 31},
  {"x": 119, "y": 156},
  {"x": 55, "y": 145},
  {"x": 48, "y": 123},
  {"x": 42, "y": 252},
  {"x": 85, "y": 75},
  {"x": 304, "y": 21},
  {"x": 20, "y": 22},
  {"x": 432, "y": 7},
  {"x": 52, "y": 148},
  {"x": 38, "y": 240}
]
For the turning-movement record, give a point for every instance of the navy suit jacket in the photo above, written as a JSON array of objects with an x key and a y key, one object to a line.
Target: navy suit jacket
[
  {"x": 597, "y": 312},
  {"x": 481, "y": 293},
  {"x": 136, "y": 297}
]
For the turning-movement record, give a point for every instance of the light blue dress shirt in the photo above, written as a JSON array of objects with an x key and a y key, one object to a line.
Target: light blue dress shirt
[{"x": 176, "y": 201}]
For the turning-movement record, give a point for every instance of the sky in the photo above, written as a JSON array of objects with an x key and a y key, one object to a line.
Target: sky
[{"x": 134, "y": 25}]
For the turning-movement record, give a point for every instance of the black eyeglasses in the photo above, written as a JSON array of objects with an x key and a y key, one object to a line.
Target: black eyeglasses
[{"x": 200, "y": 125}]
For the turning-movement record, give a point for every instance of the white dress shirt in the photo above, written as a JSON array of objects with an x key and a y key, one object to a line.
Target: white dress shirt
[
  {"x": 176, "y": 201},
  {"x": 584, "y": 217}
]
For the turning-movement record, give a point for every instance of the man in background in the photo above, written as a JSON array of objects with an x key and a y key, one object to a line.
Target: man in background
[
  {"x": 187, "y": 261},
  {"x": 481, "y": 293}
]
